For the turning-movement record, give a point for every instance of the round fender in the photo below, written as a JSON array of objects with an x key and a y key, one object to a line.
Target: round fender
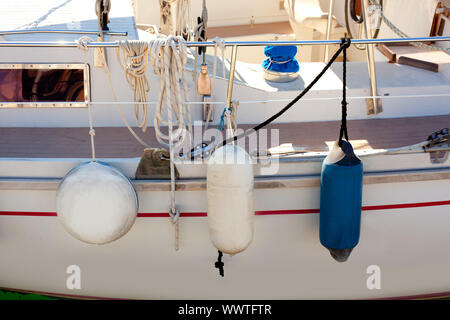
[{"x": 96, "y": 203}]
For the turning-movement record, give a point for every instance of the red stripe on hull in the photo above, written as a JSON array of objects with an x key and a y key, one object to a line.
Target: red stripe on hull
[
  {"x": 258, "y": 213},
  {"x": 407, "y": 205},
  {"x": 28, "y": 214}
]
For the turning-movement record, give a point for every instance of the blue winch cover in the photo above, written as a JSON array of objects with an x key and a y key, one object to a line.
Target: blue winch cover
[
  {"x": 340, "y": 201},
  {"x": 281, "y": 59}
]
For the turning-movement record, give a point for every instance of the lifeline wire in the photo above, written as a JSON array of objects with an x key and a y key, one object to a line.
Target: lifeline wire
[{"x": 411, "y": 96}]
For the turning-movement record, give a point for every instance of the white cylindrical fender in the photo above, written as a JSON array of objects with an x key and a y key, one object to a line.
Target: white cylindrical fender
[
  {"x": 96, "y": 203},
  {"x": 230, "y": 199}
]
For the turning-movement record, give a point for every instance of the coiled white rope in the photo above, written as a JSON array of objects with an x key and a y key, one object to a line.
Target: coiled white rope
[
  {"x": 119, "y": 108},
  {"x": 135, "y": 61},
  {"x": 168, "y": 56},
  {"x": 184, "y": 25}
]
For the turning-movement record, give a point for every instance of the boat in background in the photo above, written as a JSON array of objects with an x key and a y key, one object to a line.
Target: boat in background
[{"x": 55, "y": 89}]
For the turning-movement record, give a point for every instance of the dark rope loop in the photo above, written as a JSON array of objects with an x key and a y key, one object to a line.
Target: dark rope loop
[{"x": 345, "y": 43}]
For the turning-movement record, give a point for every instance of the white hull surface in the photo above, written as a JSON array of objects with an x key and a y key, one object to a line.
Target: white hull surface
[
  {"x": 404, "y": 231},
  {"x": 406, "y": 199}
]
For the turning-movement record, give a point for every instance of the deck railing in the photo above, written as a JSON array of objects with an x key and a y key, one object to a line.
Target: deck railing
[
  {"x": 373, "y": 103},
  {"x": 113, "y": 44}
]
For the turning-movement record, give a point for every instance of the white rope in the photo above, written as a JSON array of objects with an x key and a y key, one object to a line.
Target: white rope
[
  {"x": 218, "y": 43},
  {"x": 119, "y": 108},
  {"x": 233, "y": 114},
  {"x": 168, "y": 56},
  {"x": 82, "y": 44},
  {"x": 135, "y": 61},
  {"x": 276, "y": 62},
  {"x": 184, "y": 23},
  {"x": 195, "y": 73}
]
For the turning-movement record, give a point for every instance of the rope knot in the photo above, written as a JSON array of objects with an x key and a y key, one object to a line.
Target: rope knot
[
  {"x": 219, "y": 42},
  {"x": 174, "y": 214},
  {"x": 346, "y": 42},
  {"x": 83, "y": 42},
  {"x": 92, "y": 132},
  {"x": 133, "y": 58}
]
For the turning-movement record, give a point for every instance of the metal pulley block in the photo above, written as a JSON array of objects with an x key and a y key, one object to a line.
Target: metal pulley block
[{"x": 102, "y": 8}]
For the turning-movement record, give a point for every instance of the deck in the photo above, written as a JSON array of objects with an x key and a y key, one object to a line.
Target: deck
[{"x": 117, "y": 142}]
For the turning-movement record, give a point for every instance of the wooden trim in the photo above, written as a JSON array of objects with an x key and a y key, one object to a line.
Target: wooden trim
[
  {"x": 273, "y": 182},
  {"x": 399, "y": 44},
  {"x": 426, "y": 65},
  {"x": 387, "y": 52},
  {"x": 441, "y": 28},
  {"x": 435, "y": 23}
]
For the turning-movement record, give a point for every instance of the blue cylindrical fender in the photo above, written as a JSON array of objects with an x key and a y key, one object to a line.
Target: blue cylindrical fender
[{"x": 340, "y": 201}]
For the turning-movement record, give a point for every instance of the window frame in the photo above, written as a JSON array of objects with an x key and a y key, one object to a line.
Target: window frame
[{"x": 58, "y": 104}]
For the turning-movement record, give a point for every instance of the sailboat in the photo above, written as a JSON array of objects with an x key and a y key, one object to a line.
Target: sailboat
[{"x": 97, "y": 202}]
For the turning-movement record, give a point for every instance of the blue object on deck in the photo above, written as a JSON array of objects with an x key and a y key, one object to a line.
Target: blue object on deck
[
  {"x": 281, "y": 59},
  {"x": 340, "y": 204}
]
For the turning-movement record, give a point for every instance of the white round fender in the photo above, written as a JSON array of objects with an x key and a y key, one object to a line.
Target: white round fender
[
  {"x": 96, "y": 203},
  {"x": 230, "y": 199}
]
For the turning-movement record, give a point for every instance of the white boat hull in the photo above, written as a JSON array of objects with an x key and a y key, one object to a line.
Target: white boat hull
[
  {"x": 406, "y": 199},
  {"x": 404, "y": 231}
]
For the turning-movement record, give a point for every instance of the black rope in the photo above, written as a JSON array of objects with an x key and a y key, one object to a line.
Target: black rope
[
  {"x": 219, "y": 264},
  {"x": 345, "y": 44},
  {"x": 343, "y": 132}
]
